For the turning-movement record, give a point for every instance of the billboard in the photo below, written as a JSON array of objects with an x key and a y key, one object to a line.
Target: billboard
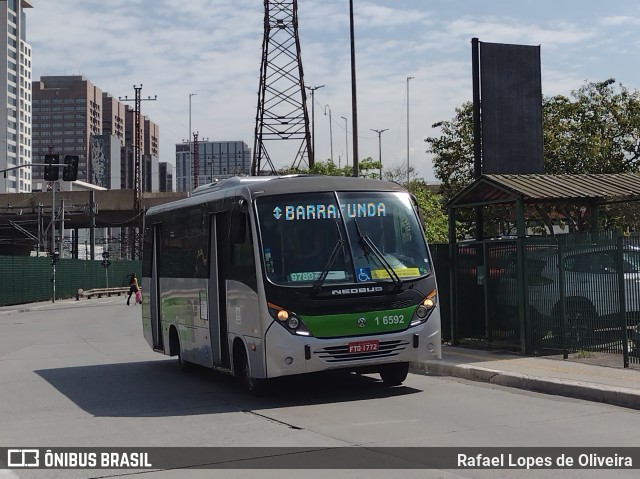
[{"x": 511, "y": 106}]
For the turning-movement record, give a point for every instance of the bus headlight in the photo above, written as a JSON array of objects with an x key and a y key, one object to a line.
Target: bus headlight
[
  {"x": 288, "y": 319},
  {"x": 425, "y": 308}
]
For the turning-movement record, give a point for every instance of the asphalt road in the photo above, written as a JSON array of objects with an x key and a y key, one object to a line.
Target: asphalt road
[{"x": 79, "y": 373}]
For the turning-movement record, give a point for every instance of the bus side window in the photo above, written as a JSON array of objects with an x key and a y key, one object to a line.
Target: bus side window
[{"x": 243, "y": 267}]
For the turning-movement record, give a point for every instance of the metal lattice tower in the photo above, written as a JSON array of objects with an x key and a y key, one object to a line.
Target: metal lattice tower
[{"x": 282, "y": 103}]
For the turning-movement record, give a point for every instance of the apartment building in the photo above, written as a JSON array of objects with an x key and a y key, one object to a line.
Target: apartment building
[{"x": 15, "y": 104}]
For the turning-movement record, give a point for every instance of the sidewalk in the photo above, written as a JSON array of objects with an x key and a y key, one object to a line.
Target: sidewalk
[{"x": 619, "y": 387}]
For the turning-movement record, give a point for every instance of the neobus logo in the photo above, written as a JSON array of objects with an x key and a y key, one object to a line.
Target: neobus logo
[{"x": 369, "y": 289}]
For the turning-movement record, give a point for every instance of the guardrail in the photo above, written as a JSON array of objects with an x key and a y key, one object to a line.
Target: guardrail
[{"x": 99, "y": 292}]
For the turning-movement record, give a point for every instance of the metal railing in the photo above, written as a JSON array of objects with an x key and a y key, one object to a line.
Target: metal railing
[{"x": 568, "y": 293}]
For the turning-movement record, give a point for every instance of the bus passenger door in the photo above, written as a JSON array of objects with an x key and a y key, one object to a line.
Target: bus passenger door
[
  {"x": 217, "y": 315},
  {"x": 154, "y": 293}
]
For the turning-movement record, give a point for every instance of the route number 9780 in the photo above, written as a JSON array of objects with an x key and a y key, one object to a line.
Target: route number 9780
[{"x": 390, "y": 319}]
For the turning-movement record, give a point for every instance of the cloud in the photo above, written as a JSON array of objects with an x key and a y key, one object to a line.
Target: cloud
[
  {"x": 620, "y": 20},
  {"x": 214, "y": 47}
]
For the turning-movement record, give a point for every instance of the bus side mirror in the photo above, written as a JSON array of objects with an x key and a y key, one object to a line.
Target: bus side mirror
[{"x": 238, "y": 227}]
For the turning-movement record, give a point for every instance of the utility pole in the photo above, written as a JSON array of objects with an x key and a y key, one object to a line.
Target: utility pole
[
  {"x": 354, "y": 102},
  {"x": 380, "y": 132},
  {"x": 346, "y": 137},
  {"x": 54, "y": 249},
  {"x": 137, "y": 167},
  {"x": 408, "y": 78},
  {"x": 137, "y": 162},
  {"x": 312, "y": 157},
  {"x": 330, "y": 130},
  {"x": 190, "y": 161}
]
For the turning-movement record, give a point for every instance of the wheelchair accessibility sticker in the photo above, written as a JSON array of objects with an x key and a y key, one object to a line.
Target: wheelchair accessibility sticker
[{"x": 364, "y": 274}]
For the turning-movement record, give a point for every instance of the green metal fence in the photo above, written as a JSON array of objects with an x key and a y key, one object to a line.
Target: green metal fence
[
  {"x": 26, "y": 279},
  {"x": 442, "y": 265},
  {"x": 568, "y": 293}
]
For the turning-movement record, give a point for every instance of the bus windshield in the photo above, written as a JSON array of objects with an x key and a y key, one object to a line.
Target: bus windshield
[{"x": 343, "y": 237}]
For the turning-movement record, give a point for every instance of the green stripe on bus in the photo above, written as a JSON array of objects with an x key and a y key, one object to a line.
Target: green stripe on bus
[{"x": 358, "y": 324}]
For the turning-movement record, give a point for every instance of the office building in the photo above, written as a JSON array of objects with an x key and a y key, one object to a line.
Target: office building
[
  {"x": 151, "y": 159},
  {"x": 72, "y": 116},
  {"x": 67, "y": 110},
  {"x": 165, "y": 176},
  {"x": 215, "y": 159}
]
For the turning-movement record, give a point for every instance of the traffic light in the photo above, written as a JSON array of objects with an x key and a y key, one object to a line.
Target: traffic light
[
  {"x": 105, "y": 260},
  {"x": 50, "y": 171},
  {"x": 70, "y": 172},
  {"x": 55, "y": 257}
]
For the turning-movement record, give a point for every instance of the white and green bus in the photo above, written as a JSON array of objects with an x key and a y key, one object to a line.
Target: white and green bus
[{"x": 264, "y": 277}]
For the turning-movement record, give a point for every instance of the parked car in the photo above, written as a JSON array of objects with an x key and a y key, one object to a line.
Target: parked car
[
  {"x": 591, "y": 278},
  {"x": 634, "y": 349}
]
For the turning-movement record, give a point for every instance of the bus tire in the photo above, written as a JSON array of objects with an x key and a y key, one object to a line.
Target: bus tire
[
  {"x": 174, "y": 341},
  {"x": 254, "y": 386},
  {"x": 394, "y": 374}
]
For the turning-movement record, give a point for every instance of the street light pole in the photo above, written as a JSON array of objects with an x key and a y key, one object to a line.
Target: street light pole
[
  {"x": 313, "y": 123},
  {"x": 346, "y": 137},
  {"x": 330, "y": 130},
  {"x": 190, "y": 161},
  {"x": 380, "y": 132},
  {"x": 54, "y": 248},
  {"x": 408, "y": 78},
  {"x": 354, "y": 102}
]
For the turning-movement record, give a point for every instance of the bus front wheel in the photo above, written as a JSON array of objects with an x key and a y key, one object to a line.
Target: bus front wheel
[
  {"x": 394, "y": 374},
  {"x": 252, "y": 385}
]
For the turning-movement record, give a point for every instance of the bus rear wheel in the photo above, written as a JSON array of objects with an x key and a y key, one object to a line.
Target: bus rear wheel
[
  {"x": 174, "y": 341},
  {"x": 394, "y": 374}
]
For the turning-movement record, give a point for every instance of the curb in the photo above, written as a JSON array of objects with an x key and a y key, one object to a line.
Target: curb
[{"x": 616, "y": 396}]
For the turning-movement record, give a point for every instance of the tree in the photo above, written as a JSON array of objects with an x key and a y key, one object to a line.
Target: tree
[
  {"x": 434, "y": 219},
  {"x": 399, "y": 174},
  {"x": 598, "y": 132},
  {"x": 453, "y": 151},
  {"x": 595, "y": 130},
  {"x": 328, "y": 168},
  {"x": 369, "y": 168}
]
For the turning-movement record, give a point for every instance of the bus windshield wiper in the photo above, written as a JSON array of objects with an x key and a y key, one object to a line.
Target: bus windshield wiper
[
  {"x": 327, "y": 267},
  {"x": 368, "y": 245}
]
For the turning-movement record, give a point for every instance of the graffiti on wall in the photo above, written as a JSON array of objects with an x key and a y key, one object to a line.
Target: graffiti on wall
[{"x": 100, "y": 161}]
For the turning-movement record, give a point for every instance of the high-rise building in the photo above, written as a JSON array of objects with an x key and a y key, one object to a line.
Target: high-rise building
[
  {"x": 216, "y": 159},
  {"x": 151, "y": 156},
  {"x": 165, "y": 176},
  {"x": 67, "y": 110},
  {"x": 15, "y": 99},
  {"x": 72, "y": 116},
  {"x": 113, "y": 112}
]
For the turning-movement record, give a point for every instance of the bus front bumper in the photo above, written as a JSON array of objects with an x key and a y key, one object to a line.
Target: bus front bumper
[{"x": 288, "y": 354}]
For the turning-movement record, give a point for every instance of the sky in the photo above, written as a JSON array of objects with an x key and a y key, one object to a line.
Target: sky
[{"x": 213, "y": 49}]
